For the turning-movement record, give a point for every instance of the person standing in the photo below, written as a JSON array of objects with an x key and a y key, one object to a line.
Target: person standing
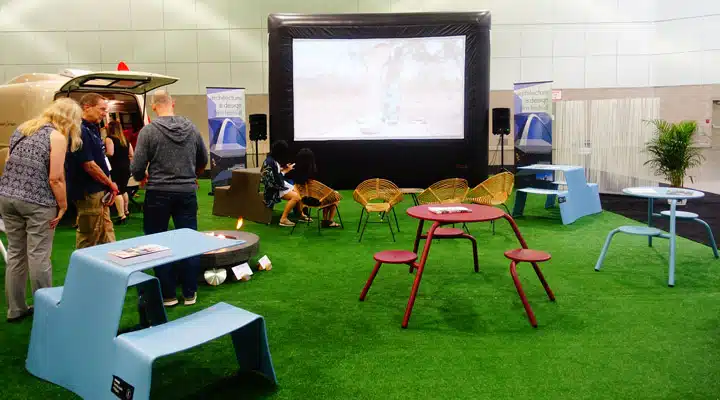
[
  {"x": 170, "y": 154},
  {"x": 89, "y": 177},
  {"x": 33, "y": 199},
  {"x": 120, "y": 153}
]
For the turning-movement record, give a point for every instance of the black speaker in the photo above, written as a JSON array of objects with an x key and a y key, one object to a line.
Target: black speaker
[
  {"x": 258, "y": 127},
  {"x": 501, "y": 121}
]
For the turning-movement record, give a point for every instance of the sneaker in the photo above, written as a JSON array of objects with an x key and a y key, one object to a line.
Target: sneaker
[
  {"x": 287, "y": 223},
  {"x": 192, "y": 300},
  {"x": 22, "y": 316},
  {"x": 170, "y": 302}
]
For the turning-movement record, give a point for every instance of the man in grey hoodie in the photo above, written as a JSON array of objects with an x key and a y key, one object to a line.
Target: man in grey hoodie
[{"x": 173, "y": 153}]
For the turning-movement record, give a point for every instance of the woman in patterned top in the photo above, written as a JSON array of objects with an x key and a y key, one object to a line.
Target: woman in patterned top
[
  {"x": 33, "y": 198},
  {"x": 276, "y": 188}
]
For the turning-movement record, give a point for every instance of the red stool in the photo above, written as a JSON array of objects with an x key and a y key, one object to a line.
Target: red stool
[
  {"x": 388, "y": 257},
  {"x": 533, "y": 257},
  {"x": 450, "y": 233}
]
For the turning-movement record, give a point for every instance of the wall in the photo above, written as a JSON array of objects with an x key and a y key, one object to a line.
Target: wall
[
  {"x": 580, "y": 44},
  {"x": 577, "y": 43}
]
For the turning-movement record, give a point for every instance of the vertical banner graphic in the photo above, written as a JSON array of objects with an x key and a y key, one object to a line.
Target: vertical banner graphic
[
  {"x": 227, "y": 132},
  {"x": 533, "y": 124}
]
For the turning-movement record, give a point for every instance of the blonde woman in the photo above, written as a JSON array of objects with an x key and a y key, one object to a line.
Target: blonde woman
[
  {"x": 120, "y": 153},
  {"x": 33, "y": 198}
]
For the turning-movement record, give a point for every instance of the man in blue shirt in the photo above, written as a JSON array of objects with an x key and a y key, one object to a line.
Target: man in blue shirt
[{"x": 89, "y": 178}]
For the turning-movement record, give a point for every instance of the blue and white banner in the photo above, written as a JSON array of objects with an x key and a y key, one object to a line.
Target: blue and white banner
[
  {"x": 227, "y": 132},
  {"x": 533, "y": 123}
]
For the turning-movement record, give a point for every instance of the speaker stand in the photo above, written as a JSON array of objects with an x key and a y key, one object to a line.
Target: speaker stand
[
  {"x": 257, "y": 155},
  {"x": 502, "y": 152}
]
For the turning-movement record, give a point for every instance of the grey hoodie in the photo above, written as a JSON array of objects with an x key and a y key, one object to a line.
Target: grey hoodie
[{"x": 170, "y": 148}]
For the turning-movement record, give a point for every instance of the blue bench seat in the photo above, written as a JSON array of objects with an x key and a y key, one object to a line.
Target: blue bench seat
[{"x": 136, "y": 351}]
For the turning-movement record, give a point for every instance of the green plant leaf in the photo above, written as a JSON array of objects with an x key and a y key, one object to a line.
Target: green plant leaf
[{"x": 671, "y": 151}]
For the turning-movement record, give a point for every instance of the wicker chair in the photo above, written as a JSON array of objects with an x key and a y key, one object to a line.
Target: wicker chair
[
  {"x": 380, "y": 196},
  {"x": 323, "y": 197},
  {"x": 495, "y": 191},
  {"x": 451, "y": 190}
]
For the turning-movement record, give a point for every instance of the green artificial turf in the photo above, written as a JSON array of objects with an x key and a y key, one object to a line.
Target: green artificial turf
[{"x": 616, "y": 334}]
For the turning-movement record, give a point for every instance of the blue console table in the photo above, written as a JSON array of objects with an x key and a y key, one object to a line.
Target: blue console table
[{"x": 578, "y": 200}]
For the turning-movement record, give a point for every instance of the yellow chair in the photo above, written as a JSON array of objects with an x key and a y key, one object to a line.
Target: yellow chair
[
  {"x": 369, "y": 192},
  {"x": 495, "y": 191},
  {"x": 446, "y": 191},
  {"x": 318, "y": 196}
]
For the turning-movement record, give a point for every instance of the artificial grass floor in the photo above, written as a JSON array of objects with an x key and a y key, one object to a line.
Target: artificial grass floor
[{"x": 616, "y": 334}]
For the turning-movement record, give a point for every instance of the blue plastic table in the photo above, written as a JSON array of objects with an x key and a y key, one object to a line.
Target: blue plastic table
[
  {"x": 74, "y": 341},
  {"x": 579, "y": 200},
  {"x": 653, "y": 193}
]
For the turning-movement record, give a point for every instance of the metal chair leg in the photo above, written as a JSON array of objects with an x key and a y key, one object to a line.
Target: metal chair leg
[
  {"x": 319, "y": 219},
  {"x": 539, "y": 273},
  {"x": 396, "y": 219},
  {"x": 370, "y": 280},
  {"x": 506, "y": 208},
  {"x": 337, "y": 210},
  {"x": 598, "y": 265},
  {"x": 710, "y": 235},
  {"x": 391, "y": 229},
  {"x": 362, "y": 211},
  {"x": 364, "y": 226},
  {"x": 521, "y": 293}
]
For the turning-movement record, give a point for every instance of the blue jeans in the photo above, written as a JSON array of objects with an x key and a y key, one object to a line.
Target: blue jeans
[{"x": 182, "y": 207}]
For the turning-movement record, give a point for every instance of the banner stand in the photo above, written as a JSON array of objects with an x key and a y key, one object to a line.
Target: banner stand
[
  {"x": 227, "y": 133},
  {"x": 533, "y": 125}
]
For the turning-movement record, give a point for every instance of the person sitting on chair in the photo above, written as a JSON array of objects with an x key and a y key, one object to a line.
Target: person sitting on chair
[
  {"x": 305, "y": 169},
  {"x": 276, "y": 188}
]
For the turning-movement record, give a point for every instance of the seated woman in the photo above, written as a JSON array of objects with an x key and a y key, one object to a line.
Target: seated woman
[
  {"x": 305, "y": 170},
  {"x": 276, "y": 188}
]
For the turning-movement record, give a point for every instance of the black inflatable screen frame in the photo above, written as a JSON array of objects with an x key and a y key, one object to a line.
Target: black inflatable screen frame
[{"x": 408, "y": 163}]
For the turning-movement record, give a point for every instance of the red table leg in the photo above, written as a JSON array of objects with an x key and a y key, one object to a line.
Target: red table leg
[
  {"x": 549, "y": 291},
  {"x": 370, "y": 280},
  {"x": 420, "y": 268},
  {"x": 516, "y": 230},
  {"x": 418, "y": 236},
  {"x": 528, "y": 310}
]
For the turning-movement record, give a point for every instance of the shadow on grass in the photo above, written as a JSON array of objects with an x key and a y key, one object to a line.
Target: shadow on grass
[{"x": 245, "y": 385}]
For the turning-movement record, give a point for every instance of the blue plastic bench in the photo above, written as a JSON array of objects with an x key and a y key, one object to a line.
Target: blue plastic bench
[
  {"x": 74, "y": 341},
  {"x": 136, "y": 351}
]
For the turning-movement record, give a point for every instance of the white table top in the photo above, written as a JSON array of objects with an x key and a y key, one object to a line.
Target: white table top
[
  {"x": 551, "y": 167},
  {"x": 652, "y": 192}
]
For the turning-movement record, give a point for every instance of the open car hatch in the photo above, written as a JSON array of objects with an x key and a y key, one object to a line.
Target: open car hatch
[{"x": 138, "y": 83}]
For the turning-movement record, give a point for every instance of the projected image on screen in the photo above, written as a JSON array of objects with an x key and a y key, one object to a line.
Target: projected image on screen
[{"x": 366, "y": 89}]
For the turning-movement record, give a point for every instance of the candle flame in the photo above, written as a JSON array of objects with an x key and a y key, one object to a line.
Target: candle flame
[{"x": 239, "y": 223}]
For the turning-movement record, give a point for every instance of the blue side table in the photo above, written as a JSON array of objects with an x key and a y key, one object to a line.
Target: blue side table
[{"x": 652, "y": 193}]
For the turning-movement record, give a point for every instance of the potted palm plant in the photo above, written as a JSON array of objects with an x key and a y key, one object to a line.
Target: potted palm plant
[{"x": 672, "y": 151}]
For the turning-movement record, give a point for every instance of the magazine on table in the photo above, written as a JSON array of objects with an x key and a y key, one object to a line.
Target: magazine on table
[
  {"x": 138, "y": 254},
  {"x": 449, "y": 210}
]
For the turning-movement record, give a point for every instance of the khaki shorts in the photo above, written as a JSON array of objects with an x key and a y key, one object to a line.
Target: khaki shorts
[{"x": 94, "y": 223}]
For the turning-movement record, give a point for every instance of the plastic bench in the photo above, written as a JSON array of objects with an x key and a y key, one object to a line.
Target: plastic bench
[
  {"x": 77, "y": 325},
  {"x": 580, "y": 198},
  {"x": 136, "y": 351}
]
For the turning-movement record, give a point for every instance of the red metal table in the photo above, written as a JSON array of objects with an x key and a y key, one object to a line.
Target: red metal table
[{"x": 478, "y": 213}]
